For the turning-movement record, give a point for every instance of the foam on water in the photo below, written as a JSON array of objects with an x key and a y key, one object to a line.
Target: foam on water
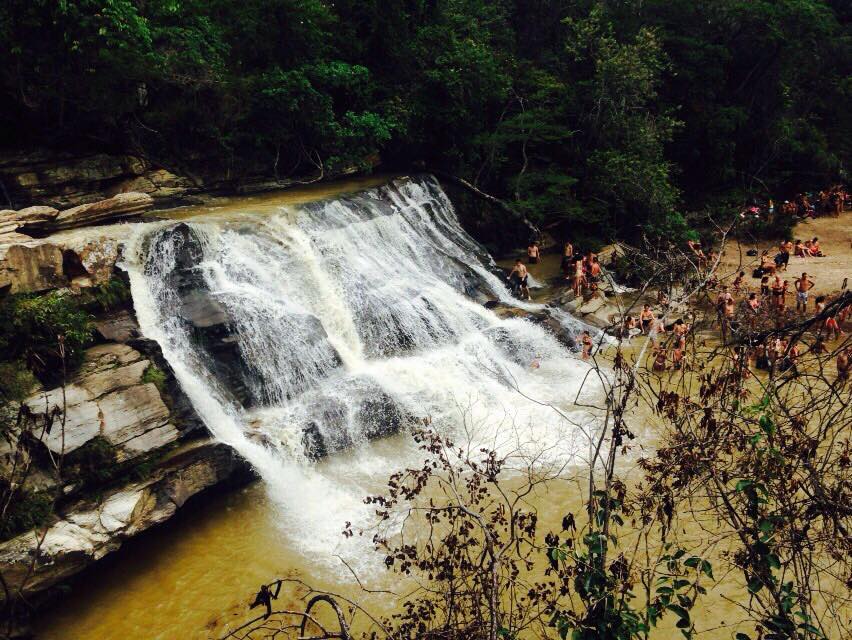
[{"x": 350, "y": 314}]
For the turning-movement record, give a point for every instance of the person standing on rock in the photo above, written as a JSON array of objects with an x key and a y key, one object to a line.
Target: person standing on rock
[
  {"x": 579, "y": 278},
  {"x": 520, "y": 271},
  {"x": 647, "y": 319},
  {"x": 567, "y": 259}
]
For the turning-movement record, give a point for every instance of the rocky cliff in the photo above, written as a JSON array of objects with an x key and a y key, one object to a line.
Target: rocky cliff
[{"x": 125, "y": 449}]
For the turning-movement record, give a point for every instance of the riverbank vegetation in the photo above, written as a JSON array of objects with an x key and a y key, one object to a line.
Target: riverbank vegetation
[{"x": 607, "y": 117}]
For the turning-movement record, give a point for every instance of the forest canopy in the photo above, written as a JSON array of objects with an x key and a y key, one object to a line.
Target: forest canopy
[{"x": 584, "y": 113}]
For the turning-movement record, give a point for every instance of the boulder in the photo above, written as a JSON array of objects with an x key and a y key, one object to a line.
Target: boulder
[
  {"x": 27, "y": 268},
  {"x": 118, "y": 326},
  {"x": 120, "y": 206},
  {"x": 98, "y": 258}
]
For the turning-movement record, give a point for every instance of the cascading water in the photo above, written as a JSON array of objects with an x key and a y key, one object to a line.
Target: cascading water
[{"x": 320, "y": 327}]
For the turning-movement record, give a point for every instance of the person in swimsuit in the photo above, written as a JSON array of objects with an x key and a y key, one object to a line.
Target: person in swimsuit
[
  {"x": 579, "y": 277},
  {"x": 800, "y": 251},
  {"x": 660, "y": 360},
  {"x": 782, "y": 258},
  {"x": 815, "y": 248},
  {"x": 782, "y": 302},
  {"x": 738, "y": 282},
  {"x": 830, "y": 325},
  {"x": 587, "y": 345},
  {"x": 567, "y": 260},
  {"x": 522, "y": 276},
  {"x": 533, "y": 253},
  {"x": 777, "y": 291},
  {"x": 764, "y": 286},
  {"x": 595, "y": 270},
  {"x": 803, "y": 286},
  {"x": 647, "y": 319}
]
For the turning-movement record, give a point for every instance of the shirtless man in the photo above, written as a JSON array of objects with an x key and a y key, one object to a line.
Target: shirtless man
[
  {"x": 722, "y": 298},
  {"x": 753, "y": 302},
  {"x": 520, "y": 271},
  {"x": 646, "y": 317},
  {"x": 803, "y": 285},
  {"x": 595, "y": 270},
  {"x": 533, "y": 253},
  {"x": 777, "y": 291},
  {"x": 567, "y": 262}
]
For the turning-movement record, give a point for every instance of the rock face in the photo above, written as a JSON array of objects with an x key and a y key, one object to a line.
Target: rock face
[
  {"x": 159, "y": 184},
  {"x": 88, "y": 531},
  {"x": 65, "y": 180},
  {"x": 107, "y": 398}
]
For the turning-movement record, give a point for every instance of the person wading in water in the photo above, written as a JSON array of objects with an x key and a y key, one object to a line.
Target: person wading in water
[
  {"x": 533, "y": 253},
  {"x": 522, "y": 275}
]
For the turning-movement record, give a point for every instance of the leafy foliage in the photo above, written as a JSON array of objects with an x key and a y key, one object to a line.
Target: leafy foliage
[
  {"x": 595, "y": 119},
  {"x": 44, "y": 331}
]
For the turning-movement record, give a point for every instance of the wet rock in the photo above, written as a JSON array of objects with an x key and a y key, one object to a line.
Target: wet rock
[{"x": 159, "y": 184}]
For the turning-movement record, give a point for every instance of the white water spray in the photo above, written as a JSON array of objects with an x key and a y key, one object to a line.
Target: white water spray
[{"x": 348, "y": 316}]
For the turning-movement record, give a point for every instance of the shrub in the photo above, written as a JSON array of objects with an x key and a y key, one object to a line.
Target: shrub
[
  {"x": 155, "y": 375},
  {"x": 27, "y": 510},
  {"x": 33, "y": 328}
]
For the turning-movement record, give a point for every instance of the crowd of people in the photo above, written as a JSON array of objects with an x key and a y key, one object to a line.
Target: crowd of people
[
  {"x": 762, "y": 306},
  {"x": 828, "y": 202}
]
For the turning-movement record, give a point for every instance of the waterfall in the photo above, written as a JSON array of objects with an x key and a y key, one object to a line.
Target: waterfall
[{"x": 320, "y": 327}]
